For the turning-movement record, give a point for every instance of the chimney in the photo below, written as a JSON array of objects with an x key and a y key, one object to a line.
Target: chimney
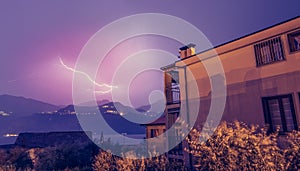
[{"x": 187, "y": 51}]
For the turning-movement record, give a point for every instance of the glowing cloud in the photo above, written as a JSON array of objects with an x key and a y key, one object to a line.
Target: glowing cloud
[{"x": 102, "y": 85}]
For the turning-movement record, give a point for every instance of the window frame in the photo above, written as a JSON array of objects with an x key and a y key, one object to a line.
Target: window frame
[
  {"x": 262, "y": 59},
  {"x": 267, "y": 114},
  {"x": 289, "y": 38},
  {"x": 172, "y": 90},
  {"x": 154, "y": 132}
]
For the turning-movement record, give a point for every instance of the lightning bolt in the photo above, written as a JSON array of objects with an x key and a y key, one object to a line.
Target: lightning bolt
[{"x": 110, "y": 87}]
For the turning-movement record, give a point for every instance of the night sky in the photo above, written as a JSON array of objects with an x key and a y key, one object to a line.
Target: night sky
[{"x": 33, "y": 34}]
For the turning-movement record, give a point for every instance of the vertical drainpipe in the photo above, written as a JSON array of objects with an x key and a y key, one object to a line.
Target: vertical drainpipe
[
  {"x": 186, "y": 97},
  {"x": 187, "y": 114},
  {"x": 185, "y": 52}
]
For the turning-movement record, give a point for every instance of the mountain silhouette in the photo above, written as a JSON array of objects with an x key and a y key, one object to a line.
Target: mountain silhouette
[
  {"x": 29, "y": 115},
  {"x": 20, "y": 106}
]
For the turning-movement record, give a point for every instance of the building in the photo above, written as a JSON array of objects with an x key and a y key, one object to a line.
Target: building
[
  {"x": 261, "y": 79},
  {"x": 153, "y": 130},
  {"x": 51, "y": 139}
]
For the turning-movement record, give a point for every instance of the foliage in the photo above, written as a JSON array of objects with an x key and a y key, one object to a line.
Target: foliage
[
  {"x": 232, "y": 146},
  {"x": 107, "y": 161},
  {"x": 14, "y": 159},
  {"x": 292, "y": 152},
  {"x": 235, "y": 146},
  {"x": 66, "y": 157},
  {"x": 24, "y": 162}
]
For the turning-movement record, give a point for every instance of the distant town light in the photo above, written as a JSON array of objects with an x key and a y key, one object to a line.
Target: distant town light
[
  {"x": 4, "y": 113},
  {"x": 10, "y": 135}
]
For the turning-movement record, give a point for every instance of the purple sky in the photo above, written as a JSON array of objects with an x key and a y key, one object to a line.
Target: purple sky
[{"x": 34, "y": 33}]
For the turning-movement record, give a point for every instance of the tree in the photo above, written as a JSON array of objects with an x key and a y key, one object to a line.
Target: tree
[
  {"x": 24, "y": 162},
  {"x": 3, "y": 157},
  {"x": 73, "y": 156},
  {"x": 292, "y": 152},
  {"x": 235, "y": 146},
  {"x": 105, "y": 161}
]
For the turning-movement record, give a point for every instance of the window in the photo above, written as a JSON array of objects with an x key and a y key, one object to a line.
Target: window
[
  {"x": 154, "y": 133},
  {"x": 279, "y": 112},
  {"x": 172, "y": 117},
  {"x": 268, "y": 51},
  {"x": 294, "y": 41},
  {"x": 173, "y": 88}
]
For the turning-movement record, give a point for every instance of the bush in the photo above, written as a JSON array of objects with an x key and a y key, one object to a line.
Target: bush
[
  {"x": 15, "y": 158},
  {"x": 292, "y": 152},
  {"x": 66, "y": 157},
  {"x": 108, "y": 162},
  {"x": 105, "y": 161},
  {"x": 235, "y": 146}
]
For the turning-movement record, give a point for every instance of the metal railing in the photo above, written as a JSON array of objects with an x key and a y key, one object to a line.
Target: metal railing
[{"x": 173, "y": 95}]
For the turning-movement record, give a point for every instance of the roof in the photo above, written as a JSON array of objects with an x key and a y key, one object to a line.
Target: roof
[
  {"x": 247, "y": 35},
  {"x": 47, "y": 139},
  {"x": 159, "y": 121},
  {"x": 168, "y": 66}
]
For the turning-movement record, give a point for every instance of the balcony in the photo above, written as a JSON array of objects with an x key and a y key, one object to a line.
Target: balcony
[{"x": 173, "y": 94}]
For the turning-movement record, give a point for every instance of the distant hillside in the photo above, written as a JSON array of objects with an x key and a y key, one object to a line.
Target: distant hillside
[
  {"x": 30, "y": 115},
  {"x": 113, "y": 114},
  {"x": 36, "y": 123},
  {"x": 91, "y": 103},
  {"x": 20, "y": 106}
]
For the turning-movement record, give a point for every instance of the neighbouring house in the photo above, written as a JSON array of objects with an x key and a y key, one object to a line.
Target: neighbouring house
[
  {"x": 261, "y": 79},
  {"x": 48, "y": 139},
  {"x": 153, "y": 130}
]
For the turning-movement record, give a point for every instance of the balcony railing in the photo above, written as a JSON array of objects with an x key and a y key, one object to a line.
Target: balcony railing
[{"x": 173, "y": 95}]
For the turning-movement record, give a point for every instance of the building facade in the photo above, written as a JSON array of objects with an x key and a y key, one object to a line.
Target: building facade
[
  {"x": 261, "y": 76},
  {"x": 153, "y": 130}
]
